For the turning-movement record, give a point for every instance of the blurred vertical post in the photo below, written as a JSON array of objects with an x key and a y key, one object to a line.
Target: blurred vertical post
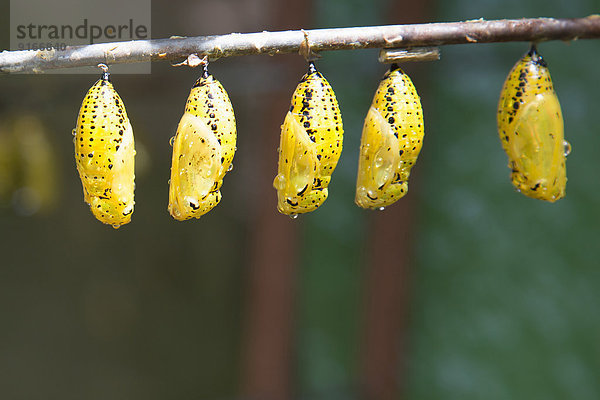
[
  {"x": 267, "y": 356},
  {"x": 387, "y": 273}
]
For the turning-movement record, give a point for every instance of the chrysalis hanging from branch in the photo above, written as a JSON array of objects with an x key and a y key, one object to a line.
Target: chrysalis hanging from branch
[
  {"x": 391, "y": 140},
  {"x": 310, "y": 146},
  {"x": 530, "y": 125},
  {"x": 203, "y": 149},
  {"x": 104, "y": 153}
]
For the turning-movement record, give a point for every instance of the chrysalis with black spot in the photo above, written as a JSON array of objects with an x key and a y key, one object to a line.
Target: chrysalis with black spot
[
  {"x": 203, "y": 150},
  {"x": 531, "y": 129},
  {"x": 310, "y": 146},
  {"x": 104, "y": 154},
  {"x": 391, "y": 140}
]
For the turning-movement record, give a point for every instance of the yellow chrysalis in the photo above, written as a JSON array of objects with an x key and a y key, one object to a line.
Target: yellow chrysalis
[
  {"x": 531, "y": 129},
  {"x": 391, "y": 140},
  {"x": 310, "y": 146},
  {"x": 104, "y": 154},
  {"x": 203, "y": 150}
]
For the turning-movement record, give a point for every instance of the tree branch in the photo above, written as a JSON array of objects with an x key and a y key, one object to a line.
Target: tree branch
[{"x": 239, "y": 44}]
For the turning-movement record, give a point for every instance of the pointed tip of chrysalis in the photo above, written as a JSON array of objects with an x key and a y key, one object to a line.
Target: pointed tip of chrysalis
[
  {"x": 535, "y": 56},
  {"x": 204, "y": 77},
  {"x": 205, "y": 73},
  {"x": 532, "y": 50},
  {"x": 105, "y": 74}
]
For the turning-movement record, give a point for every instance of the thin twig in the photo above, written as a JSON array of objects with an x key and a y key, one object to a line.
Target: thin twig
[{"x": 237, "y": 44}]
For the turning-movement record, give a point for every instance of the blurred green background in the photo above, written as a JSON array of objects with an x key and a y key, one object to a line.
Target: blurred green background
[{"x": 502, "y": 291}]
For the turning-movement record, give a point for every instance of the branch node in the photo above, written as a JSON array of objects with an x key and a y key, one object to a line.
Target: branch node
[
  {"x": 192, "y": 61},
  {"x": 305, "y": 50},
  {"x": 392, "y": 40}
]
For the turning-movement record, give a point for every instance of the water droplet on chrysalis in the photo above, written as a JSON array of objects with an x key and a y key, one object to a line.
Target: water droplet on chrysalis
[
  {"x": 279, "y": 182},
  {"x": 172, "y": 140},
  {"x": 567, "y": 146},
  {"x": 230, "y": 167},
  {"x": 381, "y": 208},
  {"x": 293, "y": 216}
]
